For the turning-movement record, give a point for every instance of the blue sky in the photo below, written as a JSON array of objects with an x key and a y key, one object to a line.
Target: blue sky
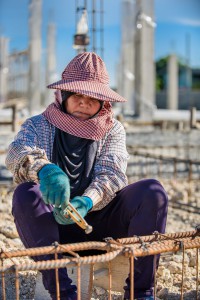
[{"x": 178, "y": 21}]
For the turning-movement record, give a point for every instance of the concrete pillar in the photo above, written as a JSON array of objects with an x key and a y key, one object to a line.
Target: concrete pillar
[
  {"x": 35, "y": 56},
  {"x": 50, "y": 63},
  {"x": 126, "y": 70},
  {"x": 3, "y": 68},
  {"x": 144, "y": 60},
  {"x": 172, "y": 84}
]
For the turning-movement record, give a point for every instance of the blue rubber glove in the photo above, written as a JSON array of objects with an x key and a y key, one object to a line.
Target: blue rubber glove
[
  {"x": 54, "y": 186},
  {"x": 81, "y": 203}
]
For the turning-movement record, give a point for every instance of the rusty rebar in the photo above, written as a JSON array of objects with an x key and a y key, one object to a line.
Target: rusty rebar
[
  {"x": 131, "y": 262},
  {"x": 155, "y": 277},
  {"x": 197, "y": 272},
  {"x": 60, "y": 249},
  {"x": 16, "y": 282},
  {"x": 131, "y": 248},
  {"x": 110, "y": 280},
  {"x": 113, "y": 244},
  {"x": 3, "y": 286},
  {"x": 158, "y": 236},
  {"x": 56, "y": 274},
  {"x": 182, "y": 272},
  {"x": 63, "y": 263},
  {"x": 78, "y": 280}
]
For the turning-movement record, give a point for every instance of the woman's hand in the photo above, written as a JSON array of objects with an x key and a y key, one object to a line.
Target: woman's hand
[
  {"x": 54, "y": 186},
  {"x": 81, "y": 203}
]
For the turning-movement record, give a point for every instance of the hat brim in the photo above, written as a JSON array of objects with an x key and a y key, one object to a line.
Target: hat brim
[{"x": 98, "y": 90}]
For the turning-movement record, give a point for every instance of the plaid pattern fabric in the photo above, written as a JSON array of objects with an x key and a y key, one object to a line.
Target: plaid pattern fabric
[
  {"x": 86, "y": 74},
  {"x": 93, "y": 129},
  {"x": 33, "y": 147}
]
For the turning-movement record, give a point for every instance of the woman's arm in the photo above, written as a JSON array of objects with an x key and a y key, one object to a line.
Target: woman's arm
[
  {"x": 110, "y": 168},
  {"x": 25, "y": 156}
]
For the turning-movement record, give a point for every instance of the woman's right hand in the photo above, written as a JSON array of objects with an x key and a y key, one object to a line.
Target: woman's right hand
[{"x": 54, "y": 186}]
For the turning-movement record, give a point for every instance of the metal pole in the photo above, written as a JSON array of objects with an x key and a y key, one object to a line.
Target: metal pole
[
  {"x": 102, "y": 27},
  {"x": 93, "y": 26}
]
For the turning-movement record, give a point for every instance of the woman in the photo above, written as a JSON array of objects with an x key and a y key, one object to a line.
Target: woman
[{"x": 76, "y": 151}]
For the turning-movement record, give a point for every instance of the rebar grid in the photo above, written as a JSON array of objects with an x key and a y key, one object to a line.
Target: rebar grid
[
  {"x": 131, "y": 248},
  {"x": 157, "y": 160}
]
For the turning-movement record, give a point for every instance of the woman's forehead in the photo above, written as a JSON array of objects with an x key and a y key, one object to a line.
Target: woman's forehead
[{"x": 86, "y": 96}]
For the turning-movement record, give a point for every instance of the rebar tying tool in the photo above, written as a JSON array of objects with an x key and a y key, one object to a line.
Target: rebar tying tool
[{"x": 77, "y": 218}]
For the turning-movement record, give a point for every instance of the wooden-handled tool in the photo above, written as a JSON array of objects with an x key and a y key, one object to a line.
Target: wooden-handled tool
[{"x": 76, "y": 217}]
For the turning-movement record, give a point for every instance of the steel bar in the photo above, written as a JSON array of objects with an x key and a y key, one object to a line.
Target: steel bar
[
  {"x": 17, "y": 282},
  {"x": 57, "y": 279},
  {"x": 155, "y": 275},
  {"x": 3, "y": 286},
  {"x": 197, "y": 272},
  {"x": 112, "y": 244},
  {"x": 164, "y": 157},
  {"x": 148, "y": 249},
  {"x": 185, "y": 207},
  {"x": 110, "y": 280},
  {"x": 60, "y": 249},
  {"x": 131, "y": 262},
  {"x": 78, "y": 280},
  {"x": 182, "y": 273},
  {"x": 157, "y": 235},
  {"x": 63, "y": 263}
]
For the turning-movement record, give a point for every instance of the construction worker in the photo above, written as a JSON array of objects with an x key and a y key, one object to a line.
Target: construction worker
[{"x": 75, "y": 151}]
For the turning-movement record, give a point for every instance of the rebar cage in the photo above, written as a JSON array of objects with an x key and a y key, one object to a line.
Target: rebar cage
[{"x": 128, "y": 248}]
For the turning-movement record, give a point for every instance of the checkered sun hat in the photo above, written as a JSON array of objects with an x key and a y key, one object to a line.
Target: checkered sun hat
[{"x": 86, "y": 74}]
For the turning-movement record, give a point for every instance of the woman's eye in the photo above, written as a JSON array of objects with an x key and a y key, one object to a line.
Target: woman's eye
[{"x": 95, "y": 100}]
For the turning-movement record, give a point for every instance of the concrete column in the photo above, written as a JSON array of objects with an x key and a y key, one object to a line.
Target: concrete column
[
  {"x": 144, "y": 60},
  {"x": 3, "y": 68},
  {"x": 172, "y": 83},
  {"x": 35, "y": 56},
  {"x": 50, "y": 62},
  {"x": 126, "y": 79}
]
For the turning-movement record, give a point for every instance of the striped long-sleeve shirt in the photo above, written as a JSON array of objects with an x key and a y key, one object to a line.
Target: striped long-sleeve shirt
[{"x": 33, "y": 148}]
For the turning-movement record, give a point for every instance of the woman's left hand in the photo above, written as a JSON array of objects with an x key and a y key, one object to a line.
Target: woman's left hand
[{"x": 81, "y": 203}]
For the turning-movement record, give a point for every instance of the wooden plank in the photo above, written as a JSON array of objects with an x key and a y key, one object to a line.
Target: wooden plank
[
  {"x": 19, "y": 102},
  {"x": 15, "y": 105}
]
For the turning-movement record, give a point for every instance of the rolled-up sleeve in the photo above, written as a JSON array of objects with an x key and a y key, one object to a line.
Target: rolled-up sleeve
[{"x": 109, "y": 175}]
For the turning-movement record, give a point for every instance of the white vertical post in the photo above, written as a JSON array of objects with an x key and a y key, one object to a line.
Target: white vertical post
[
  {"x": 35, "y": 56},
  {"x": 50, "y": 62},
  {"x": 126, "y": 79},
  {"x": 172, "y": 86},
  {"x": 3, "y": 68},
  {"x": 144, "y": 59}
]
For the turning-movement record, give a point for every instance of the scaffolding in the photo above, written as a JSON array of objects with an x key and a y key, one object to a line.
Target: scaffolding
[{"x": 89, "y": 37}]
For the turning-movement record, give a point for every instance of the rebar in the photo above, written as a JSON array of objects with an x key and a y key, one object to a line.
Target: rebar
[{"x": 130, "y": 248}]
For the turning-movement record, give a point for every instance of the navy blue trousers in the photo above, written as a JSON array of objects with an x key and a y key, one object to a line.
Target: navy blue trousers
[{"x": 138, "y": 209}]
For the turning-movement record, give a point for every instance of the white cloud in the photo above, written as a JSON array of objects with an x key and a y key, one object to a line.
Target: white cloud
[{"x": 189, "y": 22}]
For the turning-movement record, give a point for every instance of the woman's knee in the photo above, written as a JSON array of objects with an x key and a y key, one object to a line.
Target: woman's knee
[
  {"x": 26, "y": 193},
  {"x": 154, "y": 193},
  {"x": 148, "y": 191}
]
